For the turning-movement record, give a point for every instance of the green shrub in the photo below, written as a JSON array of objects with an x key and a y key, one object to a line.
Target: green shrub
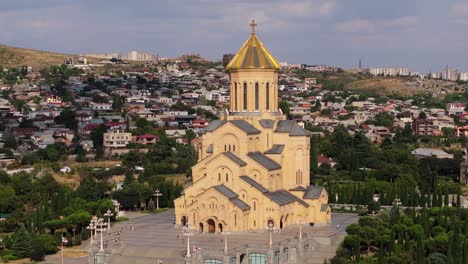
[{"x": 9, "y": 257}]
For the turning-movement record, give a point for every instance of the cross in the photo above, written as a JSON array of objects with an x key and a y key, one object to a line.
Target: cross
[{"x": 253, "y": 26}]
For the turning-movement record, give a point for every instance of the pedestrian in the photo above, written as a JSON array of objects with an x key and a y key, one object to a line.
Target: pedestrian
[{"x": 337, "y": 227}]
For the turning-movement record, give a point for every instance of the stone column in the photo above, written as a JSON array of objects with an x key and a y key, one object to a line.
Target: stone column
[{"x": 270, "y": 255}]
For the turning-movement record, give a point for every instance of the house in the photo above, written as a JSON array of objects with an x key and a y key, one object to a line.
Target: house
[
  {"x": 175, "y": 133},
  {"x": 146, "y": 139},
  {"x": 427, "y": 152},
  {"x": 455, "y": 108},
  {"x": 116, "y": 139},
  {"x": 423, "y": 127},
  {"x": 324, "y": 160},
  {"x": 200, "y": 123}
]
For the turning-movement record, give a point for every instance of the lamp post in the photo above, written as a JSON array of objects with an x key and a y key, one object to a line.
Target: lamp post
[
  {"x": 64, "y": 240},
  {"x": 300, "y": 222},
  {"x": 157, "y": 193},
  {"x": 102, "y": 227},
  {"x": 271, "y": 227},
  {"x": 91, "y": 227},
  {"x": 94, "y": 220},
  {"x": 188, "y": 234},
  {"x": 108, "y": 214},
  {"x": 225, "y": 234}
]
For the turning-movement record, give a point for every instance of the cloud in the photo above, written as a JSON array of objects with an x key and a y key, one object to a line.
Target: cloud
[
  {"x": 353, "y": 26},
  {"x": 327, "y": 8}
]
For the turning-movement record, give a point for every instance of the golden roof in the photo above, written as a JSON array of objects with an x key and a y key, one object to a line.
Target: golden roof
[{"x": 253, "y": 55}]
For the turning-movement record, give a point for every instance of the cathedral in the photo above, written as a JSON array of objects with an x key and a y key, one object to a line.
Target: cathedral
[{"x": 253, "y": 164}]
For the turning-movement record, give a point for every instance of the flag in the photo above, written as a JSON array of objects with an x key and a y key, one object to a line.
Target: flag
[{"x": 64, "y": 240}]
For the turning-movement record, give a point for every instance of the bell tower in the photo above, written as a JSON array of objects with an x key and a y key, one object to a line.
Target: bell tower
[{"x": 254, "y": 78}]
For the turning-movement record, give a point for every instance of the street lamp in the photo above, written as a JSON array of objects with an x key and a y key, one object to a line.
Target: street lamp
[
  {"x": 91, "y": 227},
  {"x": 225, "y": 234},
  {"x": 271, "y": 227},
  {"x": 94, "y": 220},
  {"x": 157, "y": 193},
  {"x": 300, "y": 222},
  {"x": 102, "y": 227},
  {"x": 108, "y": 214},
  {"x": 188, "y": 234}
]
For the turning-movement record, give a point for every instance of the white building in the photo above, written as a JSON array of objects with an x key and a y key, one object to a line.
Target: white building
[
  {"x": 396, "y": 71},
  {"x": 134, "y": 55},
  {"x": 450, "y": 74},
  {"x": 463, "y": 76},
  {"x": 116, "y": 139}
]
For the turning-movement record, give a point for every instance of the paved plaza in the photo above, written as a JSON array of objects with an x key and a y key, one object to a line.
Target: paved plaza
[{"x": 153, "y": 237}]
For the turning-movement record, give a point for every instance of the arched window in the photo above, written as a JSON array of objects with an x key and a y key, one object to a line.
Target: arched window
[
  {"x": 256, "y": 96},
  {"x": 235, "y": 95},
  {"x": 235, "y": 219},
  {"x": 219, "y": 176},
  {"x": 227, "y": 177},
  {"x": 245, "y": 96},
  {"x": 234, "y": 148},
  {"x": 267, "y": 96},
  {"x": 255, "y": 205}
]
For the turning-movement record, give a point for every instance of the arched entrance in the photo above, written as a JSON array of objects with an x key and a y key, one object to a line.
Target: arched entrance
[
  {"x": 201, "y": 227},
  {"x": 220, "y": 227},
  {"x": 183, "y": 221},
  {"x": 281, "y": 222},
  {"x": 211, "y": 226}
]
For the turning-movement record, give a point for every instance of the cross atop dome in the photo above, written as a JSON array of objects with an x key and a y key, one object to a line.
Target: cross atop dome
[{"x": 253, "y": 25}]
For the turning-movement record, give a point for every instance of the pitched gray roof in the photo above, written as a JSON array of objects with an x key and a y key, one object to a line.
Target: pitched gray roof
[
  {"x": 235, "y": 158},
  {"x": 225, "y": 191},
  {"x": 283, "y": 197},
  {"x": 263, "y": 160},
  {"x": 254, "y": 184},
  {"x": 209, "y": 149},
  {"x": 275, "y": 149},
  {"x": 313, "y": 192},
  {"x": 298, "y": 189},
  {"x": 291, "y": 127},
  {"x": 324, "y": 207},
  {"x": 246, "y": 127},
  {"x": 214, "y": 124},
  {"x": 284, "y": 126},
  {"x": 232, "y": 196},
  {"x": 267, "y": 123}
]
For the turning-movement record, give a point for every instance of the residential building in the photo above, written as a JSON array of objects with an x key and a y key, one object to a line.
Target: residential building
[
  {"x": 423, "y": 127},
  {"x": 389, "y": 71},
  {"x": 428, "y": 152},
  {"x": 116, "y": 139}
]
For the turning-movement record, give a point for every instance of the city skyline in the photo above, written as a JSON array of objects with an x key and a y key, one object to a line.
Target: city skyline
[{"x": 420, "y": 35}]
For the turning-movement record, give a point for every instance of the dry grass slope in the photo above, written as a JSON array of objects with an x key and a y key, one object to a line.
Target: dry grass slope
[{"x": 16, "y": 57}]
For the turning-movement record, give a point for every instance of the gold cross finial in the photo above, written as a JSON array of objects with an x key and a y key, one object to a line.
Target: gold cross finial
[{"x": 253, "y": 26}]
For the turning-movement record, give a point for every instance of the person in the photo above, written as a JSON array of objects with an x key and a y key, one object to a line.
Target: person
[{"x": 337, "y": 227}]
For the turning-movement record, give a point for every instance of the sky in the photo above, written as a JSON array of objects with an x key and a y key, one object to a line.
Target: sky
[{"x": 423, "y": 35}]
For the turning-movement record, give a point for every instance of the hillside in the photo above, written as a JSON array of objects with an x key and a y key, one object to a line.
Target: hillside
[
  {"x": 16, "y": 57},
  {"x": 405, "y": 86}
]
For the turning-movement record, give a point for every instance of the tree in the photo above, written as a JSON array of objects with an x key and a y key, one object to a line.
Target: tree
[
  {"x": 10, "y": 141},
  {"x": 22, "y": 244},
  {"x": 150, "y": 206},
  {"x": 48, "y": 243},
  {"x": 67, "y": 117},
  {"x": 37, "y": 251},
  {"x": 313, "y": 153},
  {"x": 284, "y": 106},
  {"x": 422, "y": 115},
  {"x": 373, "y": 207}
]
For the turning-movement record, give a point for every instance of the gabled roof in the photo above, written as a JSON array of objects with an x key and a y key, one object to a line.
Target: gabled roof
[
  {"x": 214, "y": 124},
  {"x": 267, "y": 123},
  {"x": 246, "y": 127},
  {"x": 232, "y": 196},
  {"x": 324, "y": 207},
  {"x": 209, "y": 149},
  {"x": 283, "y": 197},
  {"x": 234, "y": 158},
  {"x": 297, "y": 189},
  {"x": 275, "y": 149},
  {"x": 254, "y": 184},
  {"x": 263, "y": 160},
  {"x": 313, "y": 192},
  {"x": 291, "y": 127}
]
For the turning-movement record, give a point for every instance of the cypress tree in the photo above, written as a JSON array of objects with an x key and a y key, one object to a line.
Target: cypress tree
[
  {"x": 37, "y": 252},
  {"x": 22, "y": 245},
  {"x": 449, "y": 251},
  {"x": 420, "y": 258},
  {"x": 446, "y": 197},
  {"x": 313, "y": 154},
  {"x": 458, "y": 197}
]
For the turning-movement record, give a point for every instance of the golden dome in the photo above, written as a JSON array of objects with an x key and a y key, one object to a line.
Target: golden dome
[{"x": 253, "y": 55}]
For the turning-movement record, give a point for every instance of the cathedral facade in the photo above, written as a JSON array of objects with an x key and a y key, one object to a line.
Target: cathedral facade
[{"x": 253, "y": 164}]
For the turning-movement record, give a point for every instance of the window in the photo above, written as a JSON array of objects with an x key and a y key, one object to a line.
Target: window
[
  {"x": 219, "y": 176},
  {"x": 235, "y": 220},
  {"x": 232, "y": 260},
  {"x": 255, "y": 205},
  {"x": 235, "y": 95},
  {"x": 234, "y": 148},
  {"x": 268, "y": 96},
  {"x": 212, "y": 261},
  {"x": 285, "y": 254},
  {"x": 227, "y": 177},
  {"x": 257, "y": 258},
  {"x": 276, "y": 257},
  {"x": 256, "y": 96},
  {"x": 245, "y": 96}
]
